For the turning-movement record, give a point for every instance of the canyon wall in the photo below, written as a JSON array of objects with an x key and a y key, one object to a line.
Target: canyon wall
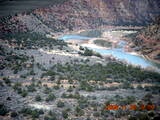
[
  {"x": 82, "y": 14},
  {"x": 148, "y": 40}
]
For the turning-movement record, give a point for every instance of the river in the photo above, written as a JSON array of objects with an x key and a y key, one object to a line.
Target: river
[{"x": 117, "y": 52}]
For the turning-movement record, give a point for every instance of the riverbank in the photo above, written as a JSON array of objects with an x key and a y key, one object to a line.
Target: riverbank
[
  {"x": 120, "y": 48},
  {"x": 77, "y": 31}
]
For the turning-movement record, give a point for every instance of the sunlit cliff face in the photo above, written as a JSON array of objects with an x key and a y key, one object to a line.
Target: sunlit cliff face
[
  {"x": 115, "y": 12},
  {"x": 126, "y": 11}
]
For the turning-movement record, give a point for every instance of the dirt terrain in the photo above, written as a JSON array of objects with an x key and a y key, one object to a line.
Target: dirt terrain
[{"x": 45, "y": 78}]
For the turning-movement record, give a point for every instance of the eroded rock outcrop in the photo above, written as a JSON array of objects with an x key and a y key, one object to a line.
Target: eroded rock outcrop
[
  {"x": 82, "y": 14},
  {"x": 149, "y": 41}
]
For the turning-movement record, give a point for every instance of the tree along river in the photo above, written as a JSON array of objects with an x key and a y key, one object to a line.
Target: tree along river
[{"x": 118, "y": 52}]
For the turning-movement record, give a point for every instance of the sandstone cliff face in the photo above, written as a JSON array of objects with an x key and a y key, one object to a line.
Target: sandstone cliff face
[{"x": 82, "y": 14}]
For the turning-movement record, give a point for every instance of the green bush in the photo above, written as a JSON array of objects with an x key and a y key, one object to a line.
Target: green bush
[
  {"x": 79, "y": 111},
  {"x": 24, "y": 93},
  {"x": 16, "y": 85},
  {"x": 85, "y": 86},
  {"x": 31, "y": 88},
  {"x": 1, "y": 84},
  {"x": 3, "y": 110},
  {"x": 50, "y": 97},
  {"x": 96, "y": 114},
  {"x": 70, "y": 89},
  {"x": 14, "y": 114},
  {"x": 38, "y": 98},
  {"x": 47, "y": 117},
  {"x": 139, "y": 87},
  {"x": 33, "y": 112},
  {"x": 88, "y": 52},
  {"x": 7, "y": 81},
  {"x": 51, "y": 116},
  {"x": 65, "y": 114},
  {"x": 47, "y": 90},
  {"x": 81, "y": 48},
  {"x": 60, "y": 104}
]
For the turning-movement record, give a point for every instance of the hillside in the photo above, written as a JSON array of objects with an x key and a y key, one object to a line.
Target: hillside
[
  {"x": 56, "y": 63},
  {"x": 11, "y": 7},
  {"x": 148, "y": 41},
  {"x": 82, "y": 14}
]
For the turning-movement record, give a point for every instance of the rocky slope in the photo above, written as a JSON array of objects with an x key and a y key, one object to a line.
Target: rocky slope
[
  {"x": 149, "y": 41},
  {"x": 82, "y": 14},
  {"x": 45, "y": 79}
]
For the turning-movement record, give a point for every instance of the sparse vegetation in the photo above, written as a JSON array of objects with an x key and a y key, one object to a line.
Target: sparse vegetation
[
  {"x": 38, "y": 98},
  {"x": 103, "y": 43},
  {"x": 31, "y": 40},
  {"x": 50, "y": 97},
  {"x": 60, "y": 104},
  {"x": 34, "y": 113},
  {"x": 14, "y": 114},
  {"x": 89, "y": 52},
  {"x": 65, "y": 114},
  {"x": 3, "y": 110},
  {"x": 100, "y": 73}
]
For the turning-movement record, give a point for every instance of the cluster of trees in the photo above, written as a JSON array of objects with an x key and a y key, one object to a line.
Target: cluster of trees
[
  {"x": 34, "y": 113},
  {"x": 84, "y": 85},
  {"x": 113, "y": 70},
  {"x": 74, "y": 96},
  {"x": 32, "y": 40},
  {"x": 88, "y": 52},
  {"x": 12, "y": 60},
  {"x": 21, "y": 90},
  {"x": 91, "y": 33}
]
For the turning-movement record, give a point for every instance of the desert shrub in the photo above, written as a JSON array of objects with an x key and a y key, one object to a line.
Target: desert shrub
[
  {"x": 147, "y": 97},
  {"x": 38, "y": 98},
  {"x": 51, "y": 116},
  {"x": 3, "y": 110},
  {"x": 87, "y": 52},
  {"x": 50, "y": 97},
  {"x": 14, "y": 114},
  {"x": 7, "y": 81},
  {"x": 24, "y": 93},
  {"x": 79, "y": 111},
  {"x": 139, "y": 87},
  {"x": 47, "y": 90},
  {"x": 96, "y": 114},
  {"x": 47, "y": 117},
  {"x": 33, "y": 112},
  {"x": 31, "y": 88},
  {"x": 16, "y": 85},
  {"x": 60, "y": 104},
  {"x": 65, "y": 114}
]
